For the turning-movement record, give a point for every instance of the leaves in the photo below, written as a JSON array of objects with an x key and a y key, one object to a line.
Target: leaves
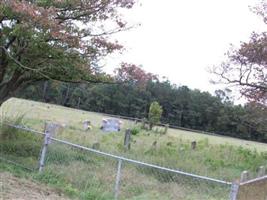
[
  {"x": 133, "y": 74},
  {"x": 56, "y": 39},
  {"x": 246, "y": 66}
]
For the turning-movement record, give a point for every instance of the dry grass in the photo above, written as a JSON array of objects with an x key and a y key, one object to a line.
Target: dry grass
[{"x": 13, "y": 188}]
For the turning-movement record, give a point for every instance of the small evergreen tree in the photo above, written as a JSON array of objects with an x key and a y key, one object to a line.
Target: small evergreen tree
[{"x": 154, "y": 115}]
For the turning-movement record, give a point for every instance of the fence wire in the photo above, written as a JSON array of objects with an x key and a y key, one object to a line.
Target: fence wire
[
  {"x": 144, "y": 182},
  {"x": 93, "y": 172},
  {"x": 90, "y": 174}
]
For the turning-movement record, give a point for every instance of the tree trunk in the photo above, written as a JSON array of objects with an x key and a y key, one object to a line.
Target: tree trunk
[
  {"x": 3, "y": 64},
  {"x": 79, "y": 101},
  {"x": 66, "y": 96},
  {"x": 150, "y": 126},
  {"x": 45, "y": 90}
]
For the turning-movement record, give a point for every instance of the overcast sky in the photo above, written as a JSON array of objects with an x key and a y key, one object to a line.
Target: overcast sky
[{"x": 180, "y": 39}]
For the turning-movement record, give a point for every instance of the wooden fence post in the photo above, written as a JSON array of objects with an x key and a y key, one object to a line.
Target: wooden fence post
[{"x": 127, "y": 139}]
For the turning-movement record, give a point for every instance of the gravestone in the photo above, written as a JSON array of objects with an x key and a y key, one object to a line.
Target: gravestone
[
  {"x": 154, "y": 144},
  {"x": 261, "y": 171},
  {"x": 244, "y": 176},
  {"x": 52, "y": 129},
  {"x": 87, "y": 125},
  {"x": 166, "y": 127},
  {"x": 193, "y": 145},
  {"x": 111, "y": 125}
]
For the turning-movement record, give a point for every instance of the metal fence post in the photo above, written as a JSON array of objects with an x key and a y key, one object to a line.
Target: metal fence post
[
  {"x": 118, "y": 176},
  {"x": 44, "y": 149},
  {"x": 234, "y": 191},
  {"x": 50, "y": 131}
]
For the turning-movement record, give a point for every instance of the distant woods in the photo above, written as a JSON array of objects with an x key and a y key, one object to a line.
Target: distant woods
[{"x": 181, "y": 106}]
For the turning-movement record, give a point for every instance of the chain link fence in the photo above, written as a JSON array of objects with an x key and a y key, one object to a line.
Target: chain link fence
[
  {"x": 126, "y": 178},
  {"x": 99, "y": 175}
]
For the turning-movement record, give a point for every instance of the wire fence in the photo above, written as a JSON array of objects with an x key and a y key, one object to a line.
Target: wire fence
[{"x": 100, "y": 175}]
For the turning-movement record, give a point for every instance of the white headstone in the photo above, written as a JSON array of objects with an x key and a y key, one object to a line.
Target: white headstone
[
  {"x": 111, "y": 125},
  {"x": 86, "y": 125}
]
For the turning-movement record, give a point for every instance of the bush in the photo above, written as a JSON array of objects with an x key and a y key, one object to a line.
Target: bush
[
  {"x": 135, "y": 130},
  {"x": 154, "y": 115}
]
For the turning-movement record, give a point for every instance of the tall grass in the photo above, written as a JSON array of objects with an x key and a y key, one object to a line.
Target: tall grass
[{"x": 18, "y": 145}]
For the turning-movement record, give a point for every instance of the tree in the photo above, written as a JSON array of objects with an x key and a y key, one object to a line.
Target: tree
[
  {"x": 57, "y": 39},
  {"x": 246, "y": 66},
  {"x": 256, "y": 121},
  {"x": 154, "y": 115},
  {"x": 134, "y": 75}
]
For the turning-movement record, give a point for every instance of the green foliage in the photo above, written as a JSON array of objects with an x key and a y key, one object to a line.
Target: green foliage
[
  {"x": 49, "y": 177},
  {"x": 154, "y": 115},
  {"x": 49, "y": 45},
  {"x": 136, "y": 130},
  {"x": 95, "y": 194}
]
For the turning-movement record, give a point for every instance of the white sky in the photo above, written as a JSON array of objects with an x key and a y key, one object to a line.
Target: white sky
[{"x": 180, "y": 39}]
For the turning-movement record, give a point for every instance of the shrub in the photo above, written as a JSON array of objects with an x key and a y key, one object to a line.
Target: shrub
[
  {"x": 154, "y": 115},
  {"x": 135, "y": 130}
]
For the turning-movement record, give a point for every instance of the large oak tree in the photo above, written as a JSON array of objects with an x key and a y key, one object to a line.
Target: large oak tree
[{"x": 59, "y": 40}]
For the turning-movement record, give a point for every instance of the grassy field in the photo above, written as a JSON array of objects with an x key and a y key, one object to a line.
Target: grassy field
[
  {"x": 88, "y": 176},
  {"x": 38, "y": 113}
]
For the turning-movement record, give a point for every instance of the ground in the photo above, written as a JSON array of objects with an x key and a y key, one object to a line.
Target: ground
[{"x": 13, "y": 188}]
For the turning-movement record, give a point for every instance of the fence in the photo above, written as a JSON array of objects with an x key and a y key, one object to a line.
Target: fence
[{"x": 98, "y": 175}]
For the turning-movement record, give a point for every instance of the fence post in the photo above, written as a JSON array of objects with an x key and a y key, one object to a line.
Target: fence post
[
  {"x": 118, "y": 177},
  {"x": 50, "y": 130},
  {"x": 44, "y": 149},
  {"x": 234, "y": 191},
  {"x": 127, "y": 139}
]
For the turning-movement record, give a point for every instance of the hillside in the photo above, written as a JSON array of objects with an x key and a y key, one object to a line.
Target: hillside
[
  {"x": 37, "y": 113},
  {"x": 23, "y": 189}
]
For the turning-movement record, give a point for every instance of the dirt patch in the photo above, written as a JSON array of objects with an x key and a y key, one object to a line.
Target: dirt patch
[
  {"x": 21, "y": 189},
  {"x": 253, "y": 190}
]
